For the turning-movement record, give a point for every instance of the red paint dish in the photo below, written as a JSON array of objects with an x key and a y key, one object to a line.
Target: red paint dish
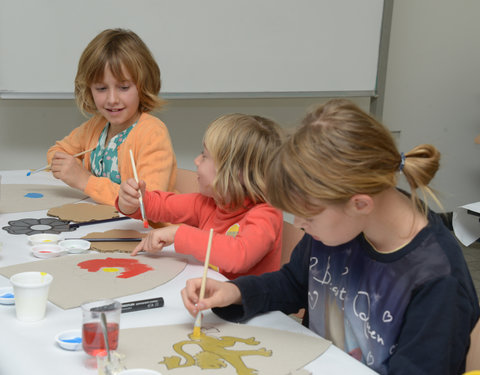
[{"x": 47, "y": 251}]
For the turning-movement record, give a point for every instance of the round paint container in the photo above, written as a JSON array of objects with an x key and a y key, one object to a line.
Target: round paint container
[
  {"x": 6, "y": 296},
  {"x": 69, "y": 340},
  {"x": 44, "y": 238},
  {"x": 47, "y": 251},
  {"x": 75, "y": 246}
]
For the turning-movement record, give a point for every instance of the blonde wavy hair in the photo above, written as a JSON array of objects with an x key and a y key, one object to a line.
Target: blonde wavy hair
[
  {"x": 240, "y": 146},
  {"x": 123, "y": 51},
  {"x": 339, "y": 151}
]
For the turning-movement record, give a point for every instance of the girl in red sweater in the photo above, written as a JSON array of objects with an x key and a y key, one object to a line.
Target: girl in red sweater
[{"x": 231, "y": 178}]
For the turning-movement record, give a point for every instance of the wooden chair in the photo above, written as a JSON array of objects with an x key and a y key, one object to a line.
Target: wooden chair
[
  {"x": 186, "y": 181},
  {"x": 473, "y": 355}
]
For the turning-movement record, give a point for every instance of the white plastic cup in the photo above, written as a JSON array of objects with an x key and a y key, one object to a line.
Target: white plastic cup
[{"x": 31, "y": 294}]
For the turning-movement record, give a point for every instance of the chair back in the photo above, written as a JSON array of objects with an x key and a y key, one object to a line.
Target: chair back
[
  {"x": 186, "y": 181},
  {"x": 473, "y": 355},
  {"x": 291, "y": 236}
]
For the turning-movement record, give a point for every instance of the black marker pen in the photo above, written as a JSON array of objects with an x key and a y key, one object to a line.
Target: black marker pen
[{"x": 145, "y": 304}]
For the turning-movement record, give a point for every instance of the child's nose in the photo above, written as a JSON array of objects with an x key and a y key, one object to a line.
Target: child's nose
[
  {"x": 112, "y": 96},
  {"x": 197, "y": 160}
]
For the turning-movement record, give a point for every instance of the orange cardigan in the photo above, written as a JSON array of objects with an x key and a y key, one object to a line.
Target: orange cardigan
[{"x": 152, "y": 150}]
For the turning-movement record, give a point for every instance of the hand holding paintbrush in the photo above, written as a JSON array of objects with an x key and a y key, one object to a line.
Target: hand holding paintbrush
[
  {"x": 48, "y": 166},
  {"x": 198, "y": 320}
]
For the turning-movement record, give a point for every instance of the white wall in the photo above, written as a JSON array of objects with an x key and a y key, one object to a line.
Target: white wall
[
  {"x": 433, "y": 89},
  {"x": 432, "y": 96},
  {"x": 29, "y": 127}
]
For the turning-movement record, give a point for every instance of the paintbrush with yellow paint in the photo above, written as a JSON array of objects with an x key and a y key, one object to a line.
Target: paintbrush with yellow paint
[{"x": 198, "y": 320}]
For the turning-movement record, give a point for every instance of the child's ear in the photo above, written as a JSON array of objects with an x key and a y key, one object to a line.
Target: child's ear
[{"x": 360, "y": 204}]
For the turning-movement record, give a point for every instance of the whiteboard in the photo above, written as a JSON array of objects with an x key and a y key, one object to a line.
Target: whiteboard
[{"x": 203, "y": 47}]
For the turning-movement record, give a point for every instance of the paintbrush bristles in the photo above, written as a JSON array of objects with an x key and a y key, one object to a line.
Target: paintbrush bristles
[
  {"x": 198, "y": 321},
  {"x": 197, "y": 332}
]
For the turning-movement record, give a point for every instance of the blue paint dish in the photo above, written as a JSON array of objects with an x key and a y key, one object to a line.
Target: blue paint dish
[
  {"x": 75, "y": 340},
  {"x": 70, "y": 340},
  {"x": 33, "y": 195},
  {"x": 6, "y": 296}
]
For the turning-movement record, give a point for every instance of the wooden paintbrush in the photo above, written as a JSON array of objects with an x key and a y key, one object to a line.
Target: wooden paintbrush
[
  {"x": 108, "y": 239},
  {"x": 49, "y": 165},
  {"x": 142, "y": 208},
  {"x": 198, "y": 320}
]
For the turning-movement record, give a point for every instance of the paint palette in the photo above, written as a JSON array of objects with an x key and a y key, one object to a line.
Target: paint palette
[
  {"x": 70, "y": 340},
  {"x": 47, "y": 251},
  {"x": 75, "y": 246},
  {"x": 6, "y": 296},
  {"x": 44, "y": 238}
]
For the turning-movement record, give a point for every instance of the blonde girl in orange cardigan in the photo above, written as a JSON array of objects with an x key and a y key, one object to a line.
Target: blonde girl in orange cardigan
[{"x": 117, "y": 82}]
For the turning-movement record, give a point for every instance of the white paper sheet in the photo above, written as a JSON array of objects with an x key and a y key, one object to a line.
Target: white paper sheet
[{"x": 466, "y": 226}]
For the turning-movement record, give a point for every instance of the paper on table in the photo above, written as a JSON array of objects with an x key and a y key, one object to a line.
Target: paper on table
[
  {"x": 467, "y": 226},
  {"x": 123, "y": 247},
  {"x": 83, "y": 212},
  {"x": 33, "y": 197},
  {"x": 83, "y": 277},
  {"x": 223, "y": 348}
]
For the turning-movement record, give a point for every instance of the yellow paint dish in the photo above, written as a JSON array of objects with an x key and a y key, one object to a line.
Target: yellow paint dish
[{"x": 44, "y": 238}]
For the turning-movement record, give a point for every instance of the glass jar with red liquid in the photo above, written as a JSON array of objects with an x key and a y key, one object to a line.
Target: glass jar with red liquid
[{"x": 92, "y": 332}]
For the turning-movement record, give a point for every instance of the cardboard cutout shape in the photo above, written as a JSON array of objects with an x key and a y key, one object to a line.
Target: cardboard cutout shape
[
  {"x": 31, "y": 197},
  {"x": 222, "y": 348},
  {"x": 107, "y": 247},
  {"x": 31, "y": 226},
  {"x": 83, "y": 277},
  {"x": 83, "y": 212}
]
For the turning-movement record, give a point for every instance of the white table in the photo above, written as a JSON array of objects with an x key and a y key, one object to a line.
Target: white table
[{"x": 29, "y": 348}]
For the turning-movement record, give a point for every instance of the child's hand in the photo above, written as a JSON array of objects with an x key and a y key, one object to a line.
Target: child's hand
[
  {"x": 157, "y": 239},
  {"x": 217, "y": 294},
  {"x": 128, "y": 195},
  {"x": 67, "y": 168}
]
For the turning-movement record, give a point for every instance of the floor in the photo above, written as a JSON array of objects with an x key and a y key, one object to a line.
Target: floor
[{"x": 472, "y": 256}]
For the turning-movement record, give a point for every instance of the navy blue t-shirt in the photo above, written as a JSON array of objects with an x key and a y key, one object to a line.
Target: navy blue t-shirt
[
  {"x": 358, "y": 297},
  {"x": 409, "y": 311}
]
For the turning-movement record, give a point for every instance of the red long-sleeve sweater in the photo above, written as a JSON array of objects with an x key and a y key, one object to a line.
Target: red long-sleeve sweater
[{"x": 246, "y": 241}]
